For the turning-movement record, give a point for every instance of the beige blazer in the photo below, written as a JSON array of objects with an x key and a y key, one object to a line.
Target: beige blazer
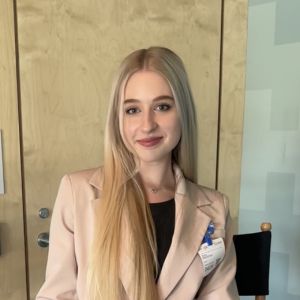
[{"x": 182, "y": 275}]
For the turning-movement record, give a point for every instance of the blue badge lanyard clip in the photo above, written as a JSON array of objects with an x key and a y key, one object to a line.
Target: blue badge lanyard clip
[{"x": 207, "y": 237}]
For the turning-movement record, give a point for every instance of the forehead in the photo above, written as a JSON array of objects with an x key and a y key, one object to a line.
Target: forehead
[{"x": 146, "y": 84}]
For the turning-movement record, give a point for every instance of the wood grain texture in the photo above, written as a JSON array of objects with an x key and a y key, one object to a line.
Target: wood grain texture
[
  {"x": 232, "y": 101},
  {"x": 69, "y": 51},
  {"x": 12, "y": 257}
]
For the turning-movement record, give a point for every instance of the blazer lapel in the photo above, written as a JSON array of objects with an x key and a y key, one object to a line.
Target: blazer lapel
[{"x": 190, "y": 226}]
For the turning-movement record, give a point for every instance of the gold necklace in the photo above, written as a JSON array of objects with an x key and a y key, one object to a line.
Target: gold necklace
[{"x": 154, "y": 190}]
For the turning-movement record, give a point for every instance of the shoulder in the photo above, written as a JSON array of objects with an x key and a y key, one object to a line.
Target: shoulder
[
  {"x": 211, "y": 202},
  {"x": 82, "y": 184},
  {"x": 91, "y": 176}
]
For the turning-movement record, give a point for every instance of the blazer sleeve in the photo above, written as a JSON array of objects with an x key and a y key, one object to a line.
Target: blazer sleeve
[
  {"x": 61, "y": 271},
  {"x": 220, "y": 284}
]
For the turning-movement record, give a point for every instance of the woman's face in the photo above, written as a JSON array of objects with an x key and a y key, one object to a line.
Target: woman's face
[{"x": 151, "y": 125}]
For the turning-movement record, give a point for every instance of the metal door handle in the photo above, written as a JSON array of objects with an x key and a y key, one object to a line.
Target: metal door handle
[
  {"x": 44, "y": 213},
  {"x": 43, "y": 239}
]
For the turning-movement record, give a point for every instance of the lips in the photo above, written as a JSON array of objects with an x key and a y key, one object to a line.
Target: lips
[{"x": 149, "y": 142}]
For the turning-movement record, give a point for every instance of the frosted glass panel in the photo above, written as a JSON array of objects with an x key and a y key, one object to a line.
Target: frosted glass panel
[{"x": 270, "y": 185}]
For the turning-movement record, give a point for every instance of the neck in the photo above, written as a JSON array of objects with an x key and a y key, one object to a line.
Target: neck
[{"x": 158, "y": 180}]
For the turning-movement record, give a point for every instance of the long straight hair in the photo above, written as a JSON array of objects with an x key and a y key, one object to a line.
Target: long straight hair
[{"x": 122, "y": 199}]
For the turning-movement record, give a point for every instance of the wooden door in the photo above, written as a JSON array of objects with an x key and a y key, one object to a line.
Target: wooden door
[
  {"x": 68, "y": 53},
  {"x": 12, "y": 249}
]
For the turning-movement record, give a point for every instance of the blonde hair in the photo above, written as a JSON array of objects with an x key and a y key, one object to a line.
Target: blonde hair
[{"x": 122, "y": 195}]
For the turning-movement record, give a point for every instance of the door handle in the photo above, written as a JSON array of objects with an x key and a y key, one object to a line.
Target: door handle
[
  {"x": 44, "y": 213},
  {"x": 43, "y": 239}
]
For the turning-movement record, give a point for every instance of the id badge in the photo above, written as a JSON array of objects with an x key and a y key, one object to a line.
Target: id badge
[{"x": 212, "y": 255}]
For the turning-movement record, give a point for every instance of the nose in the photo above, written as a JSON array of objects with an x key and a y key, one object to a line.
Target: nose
[{"x": 149, "y": 121}]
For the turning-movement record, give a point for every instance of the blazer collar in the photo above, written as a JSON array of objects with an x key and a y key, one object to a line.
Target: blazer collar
[
  {"x": 96, "y": 179},
  {"x": 191, "y": 223}
]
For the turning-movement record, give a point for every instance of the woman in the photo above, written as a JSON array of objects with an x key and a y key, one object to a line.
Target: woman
[{"x": 140, "y": 227}]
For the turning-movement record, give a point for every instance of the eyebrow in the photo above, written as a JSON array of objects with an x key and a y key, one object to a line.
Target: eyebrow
[{"x": 158, "y": 98}]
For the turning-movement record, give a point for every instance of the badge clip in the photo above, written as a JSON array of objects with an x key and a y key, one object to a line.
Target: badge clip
[{"x": 207, "y": 236}]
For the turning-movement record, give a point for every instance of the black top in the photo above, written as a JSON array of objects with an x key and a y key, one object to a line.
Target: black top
[{"x": 163, "y": 215}]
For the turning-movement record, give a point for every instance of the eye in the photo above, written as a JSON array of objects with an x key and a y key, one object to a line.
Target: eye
[
  {"x": 131, "y": 110},
  {"x": 163, "y": 107}
]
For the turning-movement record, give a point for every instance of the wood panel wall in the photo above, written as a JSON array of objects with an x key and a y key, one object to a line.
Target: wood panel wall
[
  {"x": 69, "y": 51},
  {"x": 232, "y": 101},
  {"x": 12, "y": 251}
]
